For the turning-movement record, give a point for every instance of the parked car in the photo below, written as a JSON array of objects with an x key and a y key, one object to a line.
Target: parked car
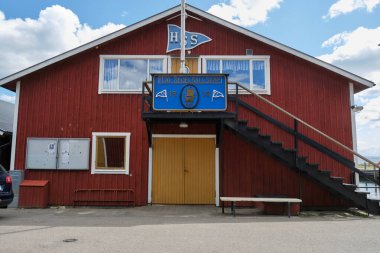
[{"x": 6, "y": 192}]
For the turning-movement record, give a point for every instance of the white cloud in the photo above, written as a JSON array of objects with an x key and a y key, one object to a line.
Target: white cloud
[
  {"x": 358, "y": 52},
  {"x": 245, "y": 12},
  {"x": 347, "y": 6},
  {"x": 6, "y": 98},
  {"x": 370, "y": 116},
  {"x": 24, "y": 42}
]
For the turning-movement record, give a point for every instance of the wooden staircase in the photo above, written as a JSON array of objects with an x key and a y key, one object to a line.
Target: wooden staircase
[{"x": 288, "y": 156}]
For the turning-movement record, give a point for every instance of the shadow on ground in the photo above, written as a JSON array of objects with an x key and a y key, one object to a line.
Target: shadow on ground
[{"x": 151, "y": 215}]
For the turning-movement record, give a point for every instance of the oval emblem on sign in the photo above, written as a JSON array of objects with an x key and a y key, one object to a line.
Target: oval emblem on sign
[{"x": 189, "y": 96}]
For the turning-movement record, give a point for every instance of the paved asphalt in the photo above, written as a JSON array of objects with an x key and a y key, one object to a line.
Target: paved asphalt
[{"x": 183, "y": 229}]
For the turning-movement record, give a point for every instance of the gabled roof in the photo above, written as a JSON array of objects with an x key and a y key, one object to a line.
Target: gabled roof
[{"x": 201, "y": 13}]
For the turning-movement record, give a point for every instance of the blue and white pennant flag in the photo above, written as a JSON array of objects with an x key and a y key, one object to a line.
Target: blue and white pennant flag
[
  {"x": 162, "y": 94},
  {"x": 216, "y": 94},
  {"x": 193, "y": 39}
]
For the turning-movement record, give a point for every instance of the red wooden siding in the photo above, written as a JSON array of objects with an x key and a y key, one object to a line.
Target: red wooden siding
[{"x": 62, "y": 100}]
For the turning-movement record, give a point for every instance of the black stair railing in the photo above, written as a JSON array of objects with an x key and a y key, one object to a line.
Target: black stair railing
[{"x": 236, "y": 98}]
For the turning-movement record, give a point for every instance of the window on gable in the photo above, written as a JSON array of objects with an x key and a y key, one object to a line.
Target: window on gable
[
  {"x": 126, "y": 74},
  {"x": 252, "y": 72}
]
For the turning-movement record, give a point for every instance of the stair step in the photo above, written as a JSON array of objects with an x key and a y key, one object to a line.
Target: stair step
[
  {"x": 289, "y": 150},
  {"x": 313, "y": 165},
  {"x": 265, "y": 137},
  {"x": 277, "y": 146},
  {"x": 360, "y": 192},
  {"x": 351, "y": 186},
  {"x": 326, "y": 172},
  {"x": 277, "y": 143},
  {"x": 302, "y": 161},
  {"x": 253, "y": 129},
  {"x": 242, "y": 122},
  {"x": 339, "y": 179}
]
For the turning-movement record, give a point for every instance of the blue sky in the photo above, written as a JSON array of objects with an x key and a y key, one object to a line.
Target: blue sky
[
  {"x": 297, "y": 23},
  {"x": 342, "y": 32}
]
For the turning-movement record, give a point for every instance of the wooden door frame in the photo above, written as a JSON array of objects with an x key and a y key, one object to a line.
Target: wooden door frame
[
  {"x": 150, "y": 170},
  {"x": 189, "y": 57}
]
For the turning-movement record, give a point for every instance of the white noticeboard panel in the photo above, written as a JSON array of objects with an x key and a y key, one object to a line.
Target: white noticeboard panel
[
  {"x": 52, "y": 154},
  {"x": 73, "y": 154},
  {"x": 41, "y": 153}
]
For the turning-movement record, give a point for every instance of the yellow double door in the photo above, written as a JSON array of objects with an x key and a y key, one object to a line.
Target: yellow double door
[{"x": 183, "y": 171}]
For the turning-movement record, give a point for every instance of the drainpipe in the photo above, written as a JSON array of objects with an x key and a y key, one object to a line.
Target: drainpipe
[{"x": 353, "y": 128}]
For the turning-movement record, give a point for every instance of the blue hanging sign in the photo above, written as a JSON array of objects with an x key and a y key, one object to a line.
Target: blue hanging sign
[
  {"x": 184, "y": 92},
  {"x": 192, "y": 39}
]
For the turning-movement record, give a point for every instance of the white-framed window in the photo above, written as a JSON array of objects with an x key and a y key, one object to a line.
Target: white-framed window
[
  {"x": 250, "y": 71},
  {"x": 110, "y": 153},
  {"x": 125, "y": 73}
]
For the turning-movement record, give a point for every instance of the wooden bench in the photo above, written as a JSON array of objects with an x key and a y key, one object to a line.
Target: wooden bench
[
  {"x": 233, "y": 201},
  {"x": 104, "y": 195}
]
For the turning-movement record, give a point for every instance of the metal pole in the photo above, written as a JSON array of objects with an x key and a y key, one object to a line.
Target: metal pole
[{"x": 182, "y": 69}]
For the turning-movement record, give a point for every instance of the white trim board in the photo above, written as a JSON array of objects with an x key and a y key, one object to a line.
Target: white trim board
[
  {"x": 15, "y": 122},
  {"x": 203, "y": 14},
  {"x": 217, "y": 176},
  {"x": 353, "y": 129},
  {"x": 150, "y": 173}
]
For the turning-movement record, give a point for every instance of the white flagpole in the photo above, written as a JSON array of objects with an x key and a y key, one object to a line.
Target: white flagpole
[{"x": 183, "y": 30}]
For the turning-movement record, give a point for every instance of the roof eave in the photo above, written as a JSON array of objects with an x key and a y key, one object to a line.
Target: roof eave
[
  {"x": 92, "y": 44},
  {"x": 282, "y": 47}
]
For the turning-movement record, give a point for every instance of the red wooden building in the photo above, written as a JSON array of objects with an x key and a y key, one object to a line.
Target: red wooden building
[{"x": 82, "y": 123}]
